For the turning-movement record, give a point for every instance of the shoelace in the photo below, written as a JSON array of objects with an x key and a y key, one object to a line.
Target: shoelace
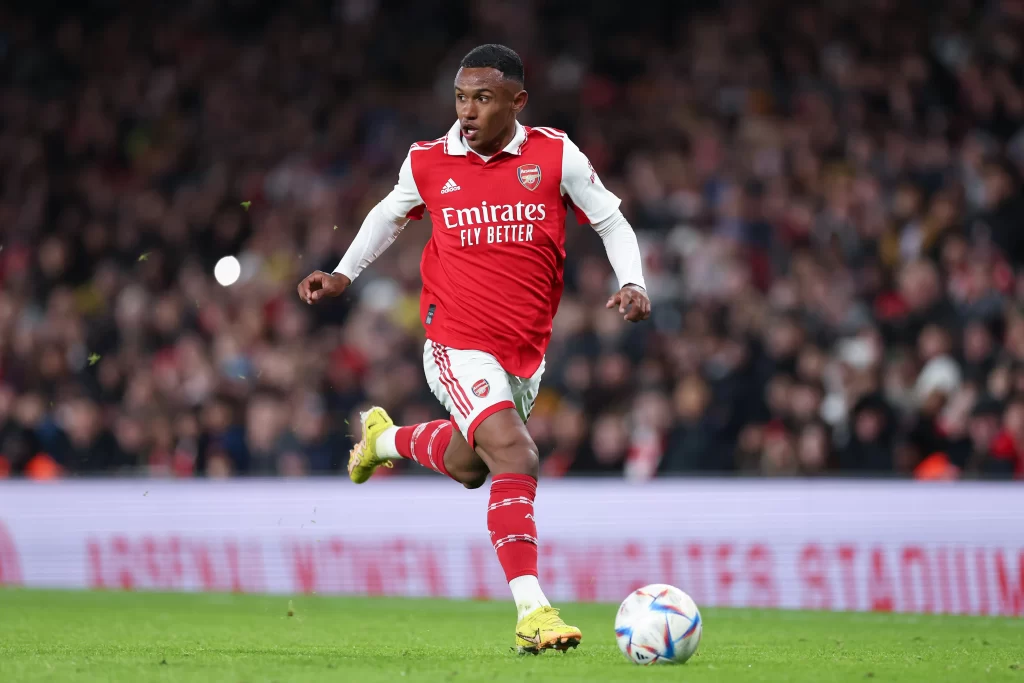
[{"x": 549, "y": 617}]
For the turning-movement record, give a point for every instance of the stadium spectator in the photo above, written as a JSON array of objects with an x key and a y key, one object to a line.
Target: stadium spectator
[{"x": 828, "y": 197}]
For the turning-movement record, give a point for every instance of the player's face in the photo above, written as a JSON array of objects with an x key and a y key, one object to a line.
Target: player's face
[{"x": 487, "y": 104}]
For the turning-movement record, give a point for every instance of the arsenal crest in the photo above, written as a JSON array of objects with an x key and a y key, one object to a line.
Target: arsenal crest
[
  {"x": 481, "y": 388},
  {"x": 529, "y": 176}
]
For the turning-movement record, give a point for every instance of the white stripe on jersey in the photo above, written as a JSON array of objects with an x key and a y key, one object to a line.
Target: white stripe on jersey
[
  {"x": 550, "y": 132},
  {"x": 426, "y": 145}
]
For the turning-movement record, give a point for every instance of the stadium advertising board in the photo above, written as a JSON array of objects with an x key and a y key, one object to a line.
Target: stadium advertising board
[{"x": 906, "y": 547}]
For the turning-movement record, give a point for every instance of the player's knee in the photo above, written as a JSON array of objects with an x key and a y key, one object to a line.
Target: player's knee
[
  {"x": 530, "y": 458},
  {"x": 514, "y": 452},
  {"x": 474, "y": 481},
  {"x": 470, "y": 478}
]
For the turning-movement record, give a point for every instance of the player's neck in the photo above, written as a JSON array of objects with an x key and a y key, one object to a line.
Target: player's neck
[{"x": 501, "y": 142}]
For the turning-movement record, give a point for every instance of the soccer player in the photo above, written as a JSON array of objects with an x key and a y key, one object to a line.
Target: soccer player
[{"x": 497, "y": 193}]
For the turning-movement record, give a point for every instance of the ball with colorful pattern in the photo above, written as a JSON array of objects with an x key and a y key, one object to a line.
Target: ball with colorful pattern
[{"x": 658, "y": 624}]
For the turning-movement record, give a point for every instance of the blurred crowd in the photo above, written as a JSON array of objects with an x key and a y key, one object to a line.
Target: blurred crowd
[{"x": 827, "y": 195}]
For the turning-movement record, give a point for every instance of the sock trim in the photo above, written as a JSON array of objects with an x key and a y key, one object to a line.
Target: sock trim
[
  {"x": 509, "y": 501},
  {"x": 438, "y": 464},
  {"x": 521, "y": 478},
  {"x": 415, "y": 436},
  {"x": 513, "y": 538}
]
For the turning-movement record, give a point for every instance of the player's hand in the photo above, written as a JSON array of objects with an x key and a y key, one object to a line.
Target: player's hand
[
  {"x": 633, "y": 302},
  {"x": 319, "y": 285}
]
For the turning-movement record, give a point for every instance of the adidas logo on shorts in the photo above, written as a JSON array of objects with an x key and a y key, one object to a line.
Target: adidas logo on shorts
[{"x": 450, "y": 186}]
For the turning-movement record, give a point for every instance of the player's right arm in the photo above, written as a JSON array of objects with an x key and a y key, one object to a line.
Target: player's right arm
[{"x": 379, "y": 229}]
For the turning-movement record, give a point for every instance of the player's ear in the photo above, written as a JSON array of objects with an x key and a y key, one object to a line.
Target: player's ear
[{"x": 519, "y": 101}]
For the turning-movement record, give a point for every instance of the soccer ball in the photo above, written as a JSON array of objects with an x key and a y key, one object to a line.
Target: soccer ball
[{"x": 658, "y": 624}]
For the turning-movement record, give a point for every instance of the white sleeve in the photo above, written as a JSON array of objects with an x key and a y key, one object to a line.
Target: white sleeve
[
  {"x": 622, "y": 248},
  {"x": 405, "y": 197},
  {"x": 378, "y": 231},
  {"x": 581, "y": 184},
  {"x": 382, "y": 225}
]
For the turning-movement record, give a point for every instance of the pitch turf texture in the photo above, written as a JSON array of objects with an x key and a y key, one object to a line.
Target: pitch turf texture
[{"x": 133, "y": 637}]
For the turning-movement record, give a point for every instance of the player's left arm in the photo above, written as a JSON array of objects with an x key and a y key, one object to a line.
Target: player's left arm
[
  {"x": 624, "y": 254},
  {"x": 596, "y": 205}
]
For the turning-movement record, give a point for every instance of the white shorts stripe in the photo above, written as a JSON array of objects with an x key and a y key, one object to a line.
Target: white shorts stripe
[
  {"x": 458, "y": 393},
  {"x": 451, "y": 376},
  {"x": 446, "y": 381},
  {"x": 444, "y": 364}
]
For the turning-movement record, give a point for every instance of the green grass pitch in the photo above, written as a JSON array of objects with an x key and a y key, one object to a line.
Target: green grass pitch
[{"x": 138, "y": 637}]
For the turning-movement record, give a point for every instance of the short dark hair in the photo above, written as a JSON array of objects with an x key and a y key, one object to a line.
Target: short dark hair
[{"x": 494, "y": 56}]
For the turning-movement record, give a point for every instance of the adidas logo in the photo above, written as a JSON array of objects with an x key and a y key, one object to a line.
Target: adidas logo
[{"x": 450, "y": 186}]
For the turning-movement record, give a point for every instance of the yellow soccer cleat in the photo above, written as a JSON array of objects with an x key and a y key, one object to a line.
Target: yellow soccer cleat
[
  {"x": 542, "y": 629},
  {"x": 363, "y": 460}
]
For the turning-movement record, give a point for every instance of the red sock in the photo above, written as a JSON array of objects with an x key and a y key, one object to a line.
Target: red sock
[
  {"x": 425, "y": 443},
  {"x": 510, "y": 521}
]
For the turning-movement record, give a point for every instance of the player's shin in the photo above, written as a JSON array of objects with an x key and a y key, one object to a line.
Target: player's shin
[{"x": 514, "y": 536}]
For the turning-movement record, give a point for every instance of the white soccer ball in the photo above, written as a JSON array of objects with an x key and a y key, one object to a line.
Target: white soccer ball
[{"x": 658, "y": 624}]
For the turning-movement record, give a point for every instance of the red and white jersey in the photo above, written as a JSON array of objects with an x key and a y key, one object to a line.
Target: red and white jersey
[{"x": 492, "y": 270}]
